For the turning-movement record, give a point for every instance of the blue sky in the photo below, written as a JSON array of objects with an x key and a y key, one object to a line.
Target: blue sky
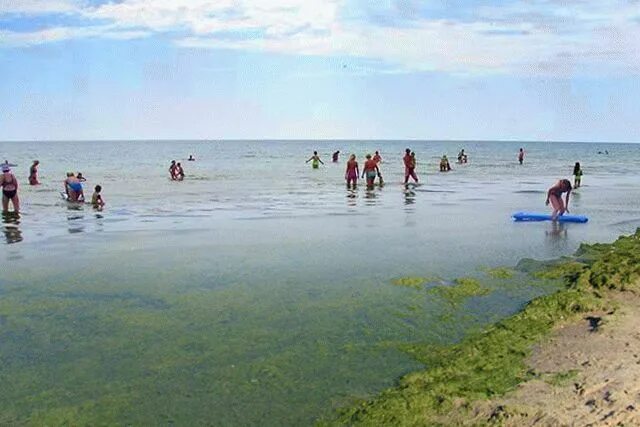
[{"x": 213, "y": 69}]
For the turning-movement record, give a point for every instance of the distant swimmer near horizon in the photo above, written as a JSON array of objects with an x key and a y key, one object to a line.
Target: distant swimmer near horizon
[
  {"x": 445, "y": 166},
  {"x": 315, "y": 164},
  {"x": 554, "y": 196},
  {"x": 191, "y": 158}
]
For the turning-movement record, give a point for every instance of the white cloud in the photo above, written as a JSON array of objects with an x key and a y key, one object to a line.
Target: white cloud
[{"x": 533, "y": 36}]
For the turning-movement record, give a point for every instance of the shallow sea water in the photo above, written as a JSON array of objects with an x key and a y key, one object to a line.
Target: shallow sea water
[{"x": 258, "y": 290}]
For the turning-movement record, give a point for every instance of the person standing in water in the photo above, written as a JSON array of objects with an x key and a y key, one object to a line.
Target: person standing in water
[
  {"x": 179, "y": 172},
  {"x": 172, "y": 170},
  {"x": 352, "y": 172},
  {"x": 315, "y": 160},
  {"x": 73, "y": 188},
  {"x": 376, "y": 157},
  {"x": 554, "y": 195},
  {"x": 96, "y": 199},
  {"x": 334, "y": 157},
  {"x": 409, "y": 166},
  {"x": 191, "y": 158},
  {"x": 9, "y": 185},
  {"x": 33, "y": 173},
  {"x": 445, "y": 166},
  {"x": 577, "y": 175},
  {"x": 370, "y": 170},
  {"x": 521, "y": 156}
]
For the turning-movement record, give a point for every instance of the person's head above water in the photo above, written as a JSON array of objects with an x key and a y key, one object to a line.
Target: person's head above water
[
  {"x": 36, "y": 162},
  {"x": 315, "y": 153},
  {"x": 407, "y": 151},
  {"x": 368, "y": 156},
  {"x": 69, "y": 174},
  {"x": 98, "y": 188}
]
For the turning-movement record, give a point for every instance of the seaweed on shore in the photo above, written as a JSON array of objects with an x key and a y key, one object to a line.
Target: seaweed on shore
[{"x": 492, "y": 362}]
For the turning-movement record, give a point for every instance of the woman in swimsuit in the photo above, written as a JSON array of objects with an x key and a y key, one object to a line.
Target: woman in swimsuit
[
  {"x": 73, "y": 188},
  {"x": 316, "y": 160},
  {"x": 351, "y": 175},
  {"x": 554, "y": 195},
  {"x": 377, "y": 157},
  {"x": 9, "y": 185},
  {"x": 370, "y": 170},
  {"x": 33, "y": 173}
]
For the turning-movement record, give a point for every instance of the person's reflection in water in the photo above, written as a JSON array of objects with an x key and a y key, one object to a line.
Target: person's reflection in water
[
  {"x": 557, "y": 235},
  {"x": 409, "y": 195},
  {"x": 75, "y": 218},
  {"x": 11, "y": 222},
  {"x": 352, "y": 196}
]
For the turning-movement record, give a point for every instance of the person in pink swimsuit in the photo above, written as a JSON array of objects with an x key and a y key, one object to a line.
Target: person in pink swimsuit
[
  {"x": 554, "y": 196},
  {"x": 352, "y": 172}
]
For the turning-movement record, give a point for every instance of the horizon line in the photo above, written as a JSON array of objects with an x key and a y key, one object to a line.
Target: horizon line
[{"x": 533, "y": 141}]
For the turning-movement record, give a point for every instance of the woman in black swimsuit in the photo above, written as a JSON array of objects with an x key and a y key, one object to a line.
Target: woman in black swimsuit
[{"x": 9, "y": 185}]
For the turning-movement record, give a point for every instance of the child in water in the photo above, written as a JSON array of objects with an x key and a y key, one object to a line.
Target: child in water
[
  {"x": 577, "y": 175},
  {"x": 179, "y": 172},
  {"x": 351, "y": 175},
  {"x": 316, "y": 160},
  {"x": 96, "y": 198},
  {"x": 554, "y": 195},
  {"x": 521, "y": 155},
  {"x": 370, "y": 170}
]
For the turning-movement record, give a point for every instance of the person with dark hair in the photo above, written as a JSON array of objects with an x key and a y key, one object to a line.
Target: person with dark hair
[{"x": 577, "y": 175}]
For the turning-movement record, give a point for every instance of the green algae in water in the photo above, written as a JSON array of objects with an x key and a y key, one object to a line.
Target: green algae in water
[
  {"x": 500, "y": 273},
  {"x": 492, "y": 362},
  {"x": 414, "y": 282},
  {"x": 462, "y": 289}
]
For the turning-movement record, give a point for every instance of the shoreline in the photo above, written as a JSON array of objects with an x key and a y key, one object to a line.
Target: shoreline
[{"x": 494, "y": 377}]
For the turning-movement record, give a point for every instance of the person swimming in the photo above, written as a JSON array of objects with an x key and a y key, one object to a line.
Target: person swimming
[
  {"x": 9, "y": 185},
  {"x": 370, "y": 170},
  {"x": 577, "y": 175},
  {"x": 73, "y": 188},
  {"x": 521, "y": 155},
  {"x": 33, "y": 173},
  {"x": 445, "y": 166},
  {"x": 191, "y": 158},
  {"x": 315, "y": 160},
  {"x": 335, "y": 155},
  {"x": 352, "y": 172},
  {"x": 554, "y": 196},
  {"x": 409, "y": 161}
]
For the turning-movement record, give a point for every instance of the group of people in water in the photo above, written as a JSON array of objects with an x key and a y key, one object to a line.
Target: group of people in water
[
  {"x": 73, "y": 191},
  {"x": 371, "y": 171}
]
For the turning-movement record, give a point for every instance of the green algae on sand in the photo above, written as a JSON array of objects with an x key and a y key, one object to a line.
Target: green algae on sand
[
  {"x": 461, "y": 289},
  {"x": 492, "y": 362}
]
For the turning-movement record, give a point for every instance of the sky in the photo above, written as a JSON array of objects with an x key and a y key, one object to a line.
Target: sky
[{"x": 563, "y": 70}]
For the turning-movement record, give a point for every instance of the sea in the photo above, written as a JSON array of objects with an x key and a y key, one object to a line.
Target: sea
[{"x": 261, "y": 291}]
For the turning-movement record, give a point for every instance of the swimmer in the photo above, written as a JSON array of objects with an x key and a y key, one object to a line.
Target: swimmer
[
  {"x": 409, "y": 160},
  {"x": 172, "y": 170},
  {"x": 9, "y": 185},
  {"x": 377, "y": 158},
  {"x": 445, "y": 166},
  {"x": 554, "y": 195},
  {"x": 521, "y": 155},
  {"x": 33, "y": 173},
  {"x": 191, "y": 158},
  {"x": 352, "y": 172},
  {"x": 370, "y": 170},
  {"x": 179, "y": 172},
  {"x": 316, "y": 160},
  {"x": 96, "y": 199},
  {"x": 577, "y": 175},
  {"x": 334, "y": 157},
  {"x": 73, "y": 188}
]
